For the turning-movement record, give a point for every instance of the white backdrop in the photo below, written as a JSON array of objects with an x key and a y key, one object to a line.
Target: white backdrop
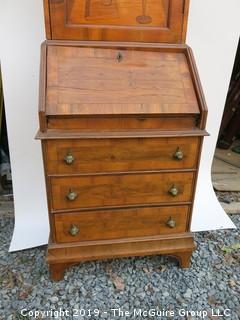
[{"x": 213, "y": 33}]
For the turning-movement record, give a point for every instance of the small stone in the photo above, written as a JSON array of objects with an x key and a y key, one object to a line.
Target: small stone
[
  {"x": 180, "y": 299},
  {"x": 232, "y": 283},
  {"x": 54, "y": 299},
  {"x": 188, "y": 294},
  {"x": 70, "y": 290},
  {"x": 137, "y": 303},
  {"x": 221, "y": 286},
  {"x": 227, "y": 199},
  {"x": 72, "y": 303},
  {"x": 165, "y": 294},
  {"x": 132, "y": 290}
]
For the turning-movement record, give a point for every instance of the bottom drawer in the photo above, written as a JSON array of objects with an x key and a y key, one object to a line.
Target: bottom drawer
[{"x": 125, "y": 223}]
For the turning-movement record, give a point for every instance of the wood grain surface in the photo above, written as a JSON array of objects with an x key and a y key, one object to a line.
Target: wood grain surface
[
  {"x": 111, "y": 155},
  {"x": 120, "y": 190},
  {"x": 117, "y": 122},
  {"x": 91, "y": 81},
  {"x": 117, "y": 20},
  {"x": 63, "y": 255},
  {"x": 113, "y": 224}
]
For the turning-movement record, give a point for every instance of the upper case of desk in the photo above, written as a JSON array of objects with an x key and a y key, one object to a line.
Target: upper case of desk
[{"x": 117, "y": 20}]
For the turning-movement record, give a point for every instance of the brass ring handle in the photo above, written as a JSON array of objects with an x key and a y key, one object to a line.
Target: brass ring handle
[
  {"x": 73, "y": 230},
  {"x": 178, "y": 154},
  {"x": 171, "y": 223},
  {"x": 69, "y": 158},
  {"x": 72, "y": 195},
  {"x": 173, "y": 190}
]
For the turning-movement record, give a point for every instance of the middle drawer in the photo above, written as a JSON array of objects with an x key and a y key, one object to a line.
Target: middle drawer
[
  {"x": 114, "y": 155},
  {"x": 93, "y": 191}
]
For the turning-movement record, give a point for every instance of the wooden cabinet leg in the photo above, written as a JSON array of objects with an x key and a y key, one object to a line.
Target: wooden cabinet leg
[
  {"x": 184, "y": 259},
  {"x": 57, "y": 270}
]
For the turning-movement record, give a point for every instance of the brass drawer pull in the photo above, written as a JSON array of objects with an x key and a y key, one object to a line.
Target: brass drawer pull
[
  {"x": 173, "y": 190},
  {"x": 69, "y": 158},
  {"x": 178, "y": 154},
  {"x": 72, "y": 195},
  {"x": 73, "y": 230},
  {"x": 171, "y": 223}
]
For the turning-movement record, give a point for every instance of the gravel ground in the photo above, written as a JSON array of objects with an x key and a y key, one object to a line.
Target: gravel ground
[
  {"x": 212, "y": 283},
  {"x": 228, "y": 197}
]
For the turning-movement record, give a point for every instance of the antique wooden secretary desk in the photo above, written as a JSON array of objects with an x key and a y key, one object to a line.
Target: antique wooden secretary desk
[{"x": 122, "y": 118}]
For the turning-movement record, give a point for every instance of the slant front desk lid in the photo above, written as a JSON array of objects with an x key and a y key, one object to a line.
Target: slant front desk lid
[
  {"x": 117, "y": 20},
  {"x": 118, "y": 86},
  {"x": 101, "y": 81}
]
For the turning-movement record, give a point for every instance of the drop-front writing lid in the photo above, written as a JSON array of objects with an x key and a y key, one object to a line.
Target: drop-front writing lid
[
  {"x": 110, "y": 81},
  {"x": 117, "y": 20}
]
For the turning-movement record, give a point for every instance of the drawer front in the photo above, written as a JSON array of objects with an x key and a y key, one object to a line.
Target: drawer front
[
  {"x": 125, "y": 223},
  {"x": 120, "y": 190},
  {"x": 109, "y": 155},
  {"x": 116, "y": 123}
]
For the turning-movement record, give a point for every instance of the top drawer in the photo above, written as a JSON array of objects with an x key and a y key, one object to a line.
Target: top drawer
[{"x": 112, "y": 155}]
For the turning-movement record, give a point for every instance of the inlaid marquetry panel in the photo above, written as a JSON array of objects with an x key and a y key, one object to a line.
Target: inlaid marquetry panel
[
  {"x": 123, "y": 20},
  {"x": 113, "y": 12}
]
